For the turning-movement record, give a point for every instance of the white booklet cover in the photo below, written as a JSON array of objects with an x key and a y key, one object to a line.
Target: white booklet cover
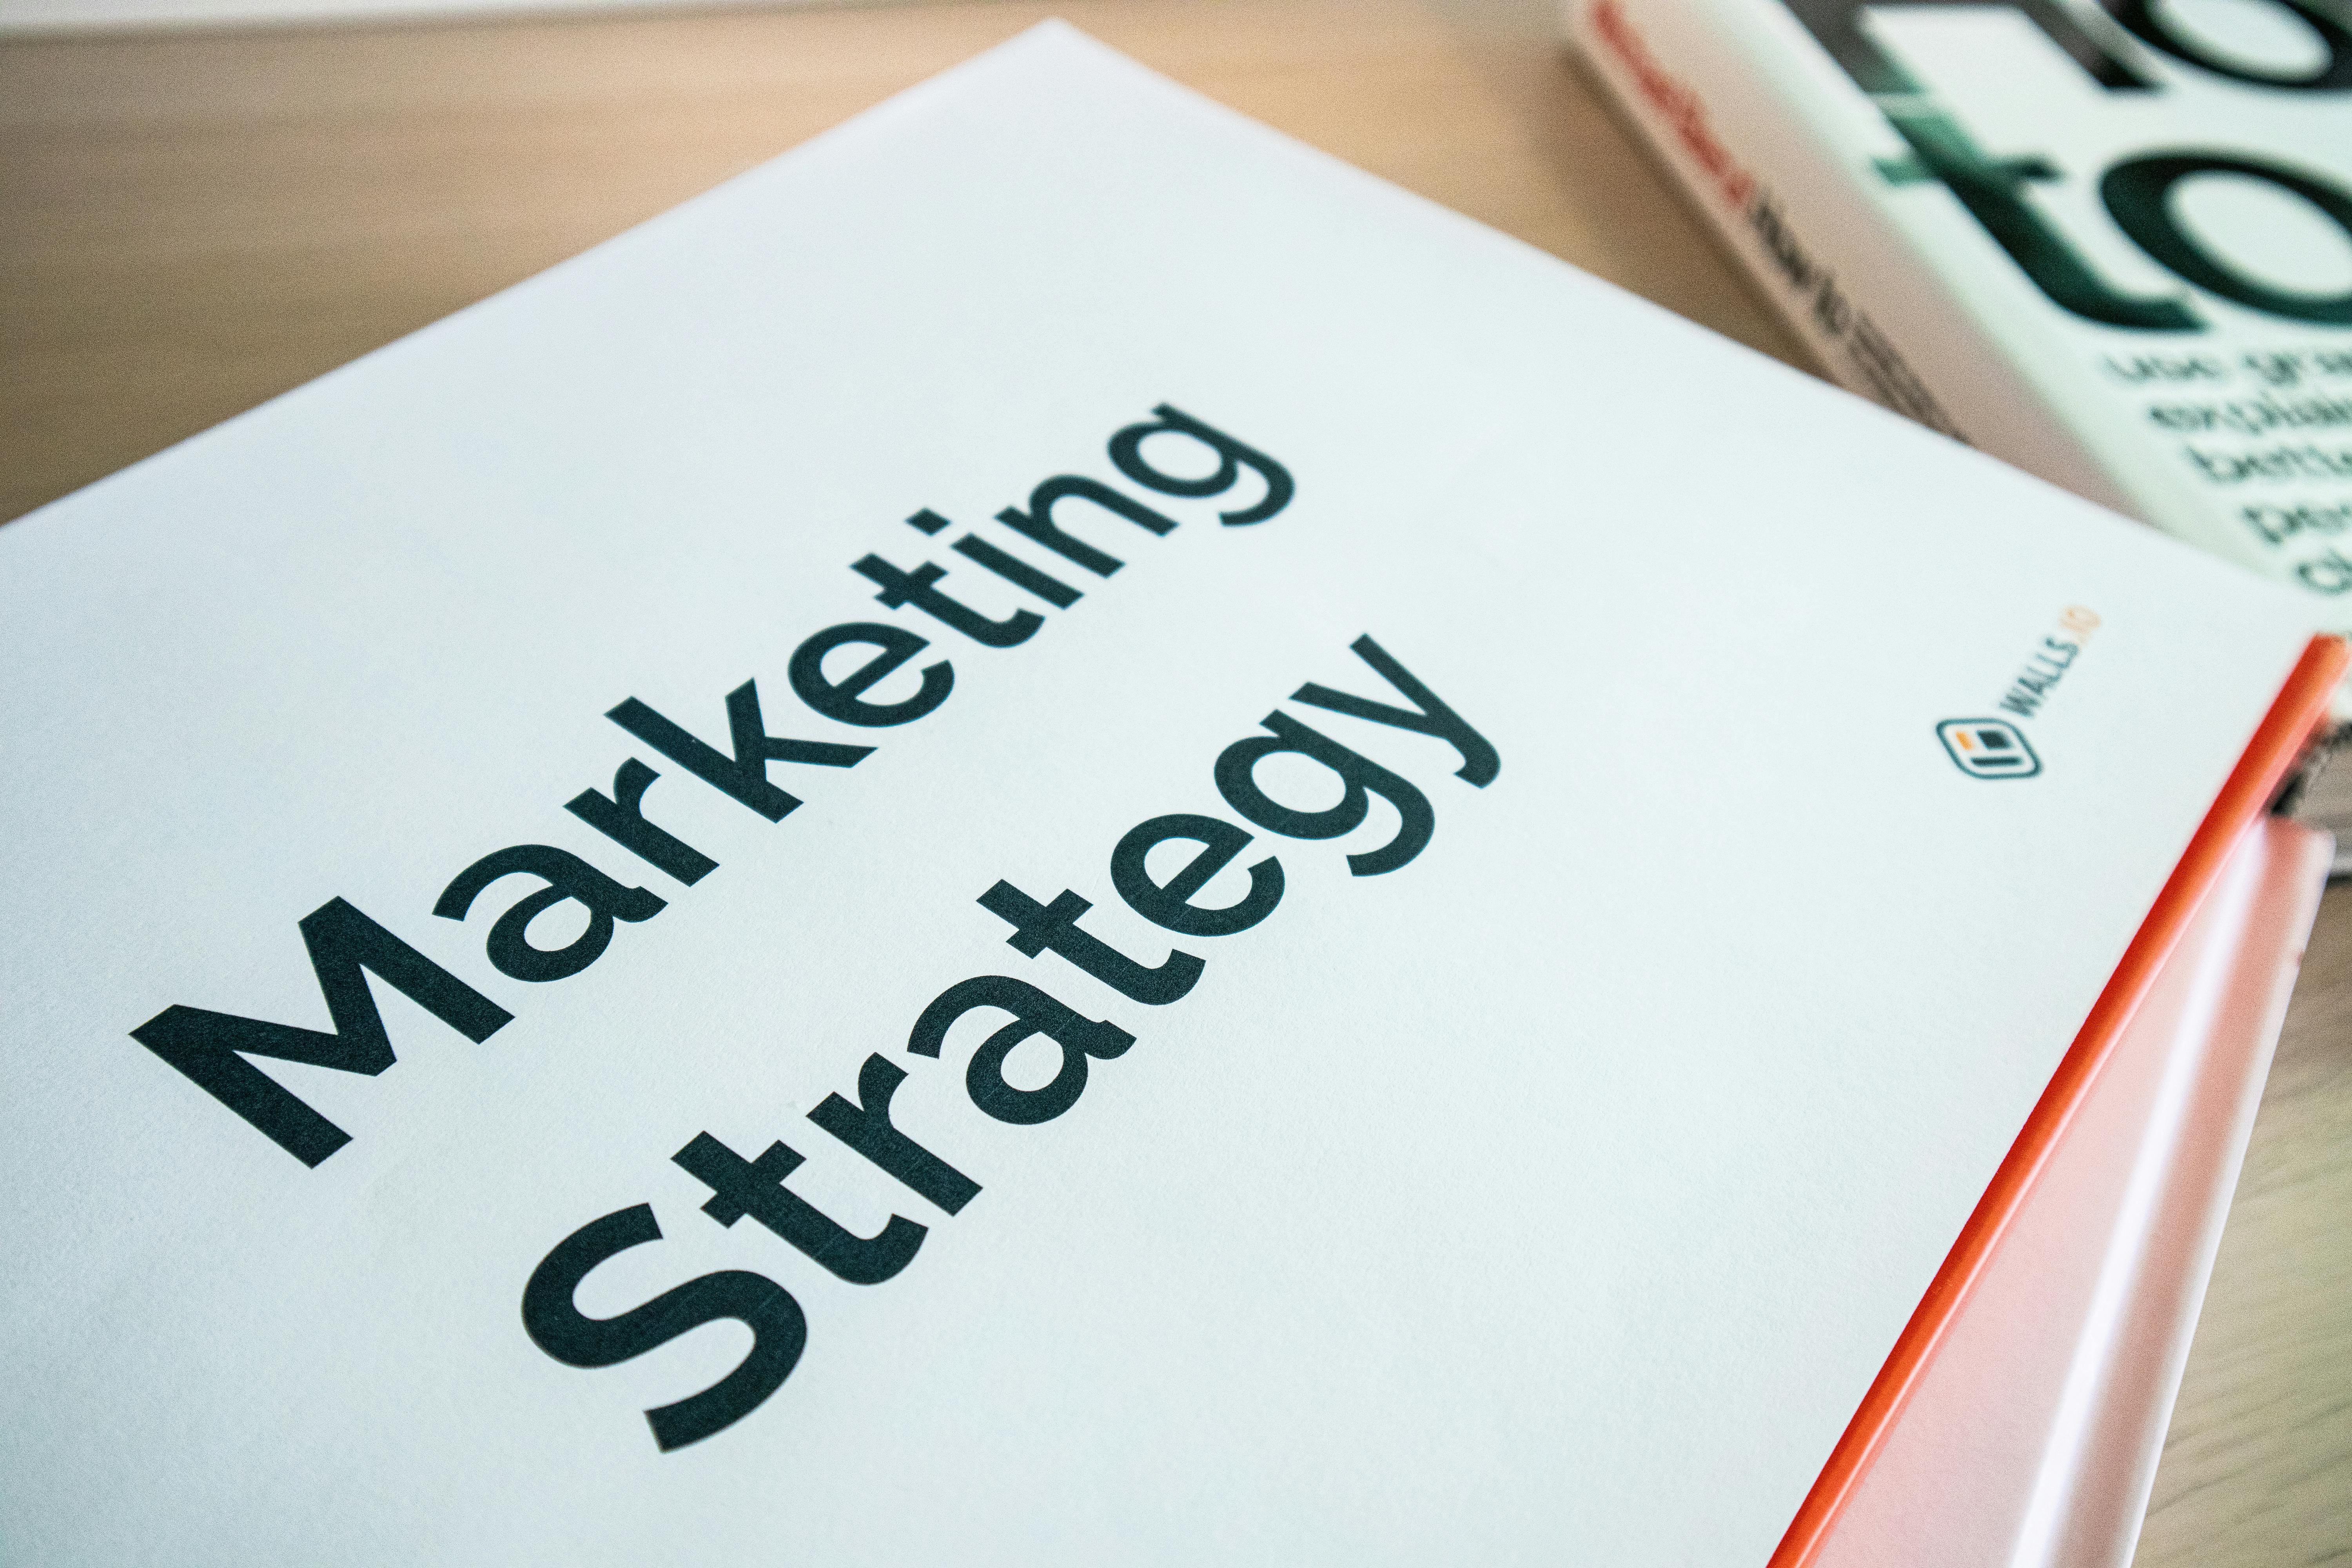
[{"x": 1010, "y": 845}]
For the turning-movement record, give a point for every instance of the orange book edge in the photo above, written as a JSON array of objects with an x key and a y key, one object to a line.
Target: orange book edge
[{"x": 2298, "y": 712}]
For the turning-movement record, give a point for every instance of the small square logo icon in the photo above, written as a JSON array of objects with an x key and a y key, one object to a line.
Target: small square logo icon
[{"x": 1988, "y": 748}]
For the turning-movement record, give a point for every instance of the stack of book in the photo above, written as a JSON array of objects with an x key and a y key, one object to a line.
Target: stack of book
[{"x": 1012, "y": 845}]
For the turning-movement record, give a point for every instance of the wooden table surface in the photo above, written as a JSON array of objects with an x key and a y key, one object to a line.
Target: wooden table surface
[{"x": 191, "y": 223}]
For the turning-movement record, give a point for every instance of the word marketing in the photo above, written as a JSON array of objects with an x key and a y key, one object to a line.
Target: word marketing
[{"x": 211, "y": 1048}]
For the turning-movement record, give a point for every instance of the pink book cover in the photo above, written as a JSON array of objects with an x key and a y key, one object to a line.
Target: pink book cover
[{"x": 2033, "y": 1437}]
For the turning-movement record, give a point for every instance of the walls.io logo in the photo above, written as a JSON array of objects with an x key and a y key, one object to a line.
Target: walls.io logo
[{"x": 1988, "y": 748}]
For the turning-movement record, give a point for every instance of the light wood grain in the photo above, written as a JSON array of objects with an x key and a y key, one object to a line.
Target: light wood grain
[
  {"x": 191, "y": 223},
  {"x": 2258, "y": 1467}
]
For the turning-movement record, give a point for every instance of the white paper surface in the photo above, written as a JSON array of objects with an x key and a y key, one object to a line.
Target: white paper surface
[{"x": 1556, "y": 1194}]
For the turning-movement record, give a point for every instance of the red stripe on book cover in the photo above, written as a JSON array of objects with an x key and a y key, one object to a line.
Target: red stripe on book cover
[{"x": 2299, "y": 712}]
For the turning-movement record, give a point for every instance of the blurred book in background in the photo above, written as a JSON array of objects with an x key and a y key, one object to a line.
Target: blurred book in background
[{"x": 2112, "y": 247}]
